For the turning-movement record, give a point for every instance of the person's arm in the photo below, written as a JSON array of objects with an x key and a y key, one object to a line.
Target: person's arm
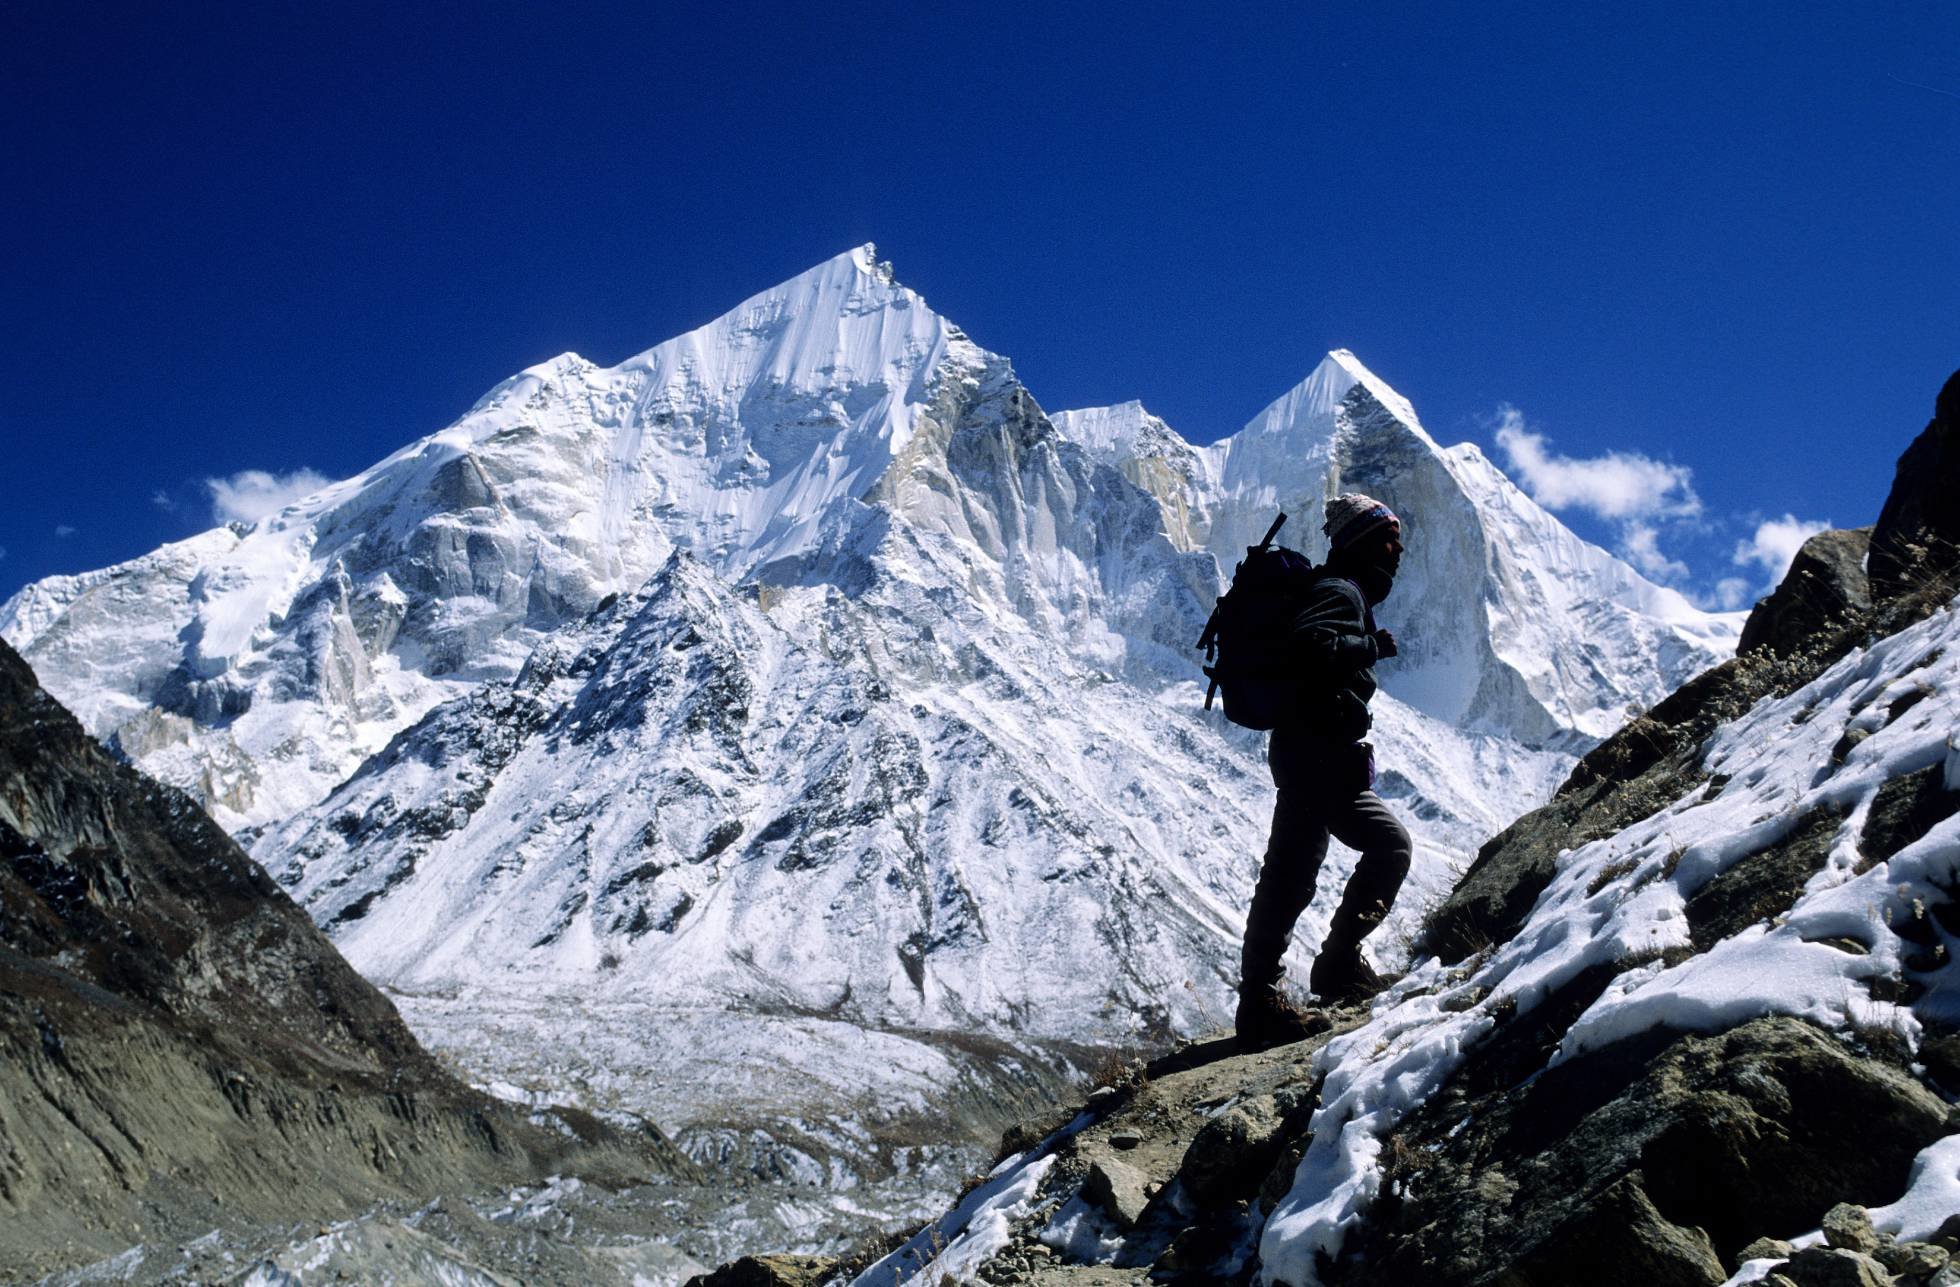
[{"x": 1332, "y": 630}]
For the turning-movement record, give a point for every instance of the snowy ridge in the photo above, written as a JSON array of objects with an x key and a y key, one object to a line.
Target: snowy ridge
[{"x": 310, "y": 637}]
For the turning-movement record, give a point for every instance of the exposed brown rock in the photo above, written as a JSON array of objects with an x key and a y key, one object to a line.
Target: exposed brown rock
[
  {"x": 1849, "y": 1226},
  {"x": 1826, "y": 583},
  {"x": 1834, "y": 1267},
  {"x": 1763, "y": 1127},
  {"x": 769, "y": 1271}
]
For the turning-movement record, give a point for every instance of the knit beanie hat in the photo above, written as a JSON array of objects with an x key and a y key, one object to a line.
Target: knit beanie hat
[{"x": 1351, "y": 516}]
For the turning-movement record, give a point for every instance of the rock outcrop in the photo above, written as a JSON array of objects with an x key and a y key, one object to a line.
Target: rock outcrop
[
  {"x": 1921, "y": 518},
  {"x": 184, "y": 1050},
  {"x": 1826, "y": 583},
  {"x": 1624, "y": 1169}
]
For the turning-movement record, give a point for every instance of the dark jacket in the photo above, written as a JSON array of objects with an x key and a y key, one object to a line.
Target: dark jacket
[{"x": 1334, "y": 633}]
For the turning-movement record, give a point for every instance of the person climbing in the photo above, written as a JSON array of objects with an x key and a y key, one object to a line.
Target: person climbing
[{"x": 1325, "y": 775}]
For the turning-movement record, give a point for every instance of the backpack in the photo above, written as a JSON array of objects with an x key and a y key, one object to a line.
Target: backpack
[{"x": 1254, "y": 664}]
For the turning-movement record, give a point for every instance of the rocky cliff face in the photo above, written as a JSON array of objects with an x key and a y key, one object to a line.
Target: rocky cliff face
[
  {"x": 185, "y": 1051},
  {"x": 1698, "y": 1008}
]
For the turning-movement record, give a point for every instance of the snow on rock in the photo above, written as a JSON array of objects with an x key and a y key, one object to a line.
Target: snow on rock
[
  {"x": 953, "y": 1247},
  {"x": 310, "y": 637}
]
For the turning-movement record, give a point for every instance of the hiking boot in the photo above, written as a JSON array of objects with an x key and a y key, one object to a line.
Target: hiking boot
[
  {"x": 1267, "y": 1019},
  {"x": 1351, "y": 983}
]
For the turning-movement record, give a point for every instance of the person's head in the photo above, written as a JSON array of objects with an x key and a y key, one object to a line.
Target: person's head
[{"x": 1364, "y": 536}]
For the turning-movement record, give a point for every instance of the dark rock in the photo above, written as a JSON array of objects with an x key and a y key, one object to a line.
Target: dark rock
[
  {"x": 1826, "y": 582},
  {"x": 1124, "y": 1139},
  {"x": 1232, "y": 1152},
  {"x": 1765, "y": 1249},
  {"x": 1948, "y": 1234},
  {"x": 1905, "y": 808},
  {"x": 1849, "y": 1226},
  {"x": 1913, "y": 1259},
  {"x": 178, "y": 1040},
  {"x": 1920, "y": 524},
  {"x": 1834, "y": 1267},
  {"x": 1619, "y": 1239},
  {"x": 1651, "y": 762},
  {"x": 1631, "y": 1161},
  {"x": 768, "y": 1271},
  {"x": 1841, "y": 750},
  {"x": 1764, "y": 884}
]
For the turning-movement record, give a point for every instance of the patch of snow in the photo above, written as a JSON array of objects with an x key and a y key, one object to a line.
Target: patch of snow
[
  {"x": 1932, "y": 1195},
  {"x": 1083, "y": 1232},
  {"x": 953, "y": 1247}
]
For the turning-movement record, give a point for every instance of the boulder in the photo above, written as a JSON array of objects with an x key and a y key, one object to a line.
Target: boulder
[
  {"x": 1765, "y": 1249},
  {"x": 1913, "y": 1259},
  {"x": 769, "y": 1271},
  {"x": 1119, "y": 1189},
  {"x": 1654, "y": 1162},
  {"x": 1849, "y": 1226},
  {"x": 1233, "y": 1152},
  {"x": 1834, "y": 1267},
  {"x": 1826, "y": 582}
]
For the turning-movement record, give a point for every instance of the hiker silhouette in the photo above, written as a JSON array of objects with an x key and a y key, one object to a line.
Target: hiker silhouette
[{"x": 1325, "y": 776}]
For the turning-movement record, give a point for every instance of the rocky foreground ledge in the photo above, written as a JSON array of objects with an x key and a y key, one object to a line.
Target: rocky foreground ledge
[{"x": 1173, "y": 1174}]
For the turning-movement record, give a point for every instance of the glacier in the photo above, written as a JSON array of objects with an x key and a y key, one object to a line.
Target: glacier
[{"x": 794, "y": 724}]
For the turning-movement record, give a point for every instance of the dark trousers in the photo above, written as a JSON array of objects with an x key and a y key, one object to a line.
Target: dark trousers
[{"x": 1323, "y": 788}]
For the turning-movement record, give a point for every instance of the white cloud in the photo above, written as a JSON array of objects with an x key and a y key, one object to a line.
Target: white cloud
[
  {"x": 1619, "y": 485},
  {"x": 161, "y": 499},
  {"x": 1775, "y": 544},
  {"x": 1733, "y": 592},
  {"x": 63, "y": 530},
  {"x": 1640, "y": 544},
  {"x": 3, "y": 551},
  {"x": 1625, "y": 488},
  {"x": 251, "y": 494}
]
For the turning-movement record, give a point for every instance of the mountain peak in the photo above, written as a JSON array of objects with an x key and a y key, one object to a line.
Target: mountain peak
[{"x": 1313, "y": 400}]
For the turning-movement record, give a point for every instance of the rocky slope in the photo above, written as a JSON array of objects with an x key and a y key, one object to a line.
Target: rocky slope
[
  {"x": 1695, "y": 1021},
  {"x": 186, "y": 1052}
]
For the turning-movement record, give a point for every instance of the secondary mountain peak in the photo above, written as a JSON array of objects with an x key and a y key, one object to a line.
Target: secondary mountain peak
[{"x": 1311, "y": 403}]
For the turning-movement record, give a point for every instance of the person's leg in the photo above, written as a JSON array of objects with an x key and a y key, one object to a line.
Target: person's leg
[
  {"x": 1286, "y": 880},
  {"x": 1294, "y": 853},
  {"x": 1364, "y": 824}
]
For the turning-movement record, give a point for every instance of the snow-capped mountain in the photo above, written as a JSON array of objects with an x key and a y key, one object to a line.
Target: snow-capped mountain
[
  {"x": 801, "y": 671},
  {"x": 1515, "y": 625}
]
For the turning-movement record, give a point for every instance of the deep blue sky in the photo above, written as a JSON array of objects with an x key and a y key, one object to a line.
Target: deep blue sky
[{"x": 1722, "y": 236}]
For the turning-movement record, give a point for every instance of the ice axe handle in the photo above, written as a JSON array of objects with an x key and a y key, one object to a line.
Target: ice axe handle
[{"x": 1273, "y": 531}]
